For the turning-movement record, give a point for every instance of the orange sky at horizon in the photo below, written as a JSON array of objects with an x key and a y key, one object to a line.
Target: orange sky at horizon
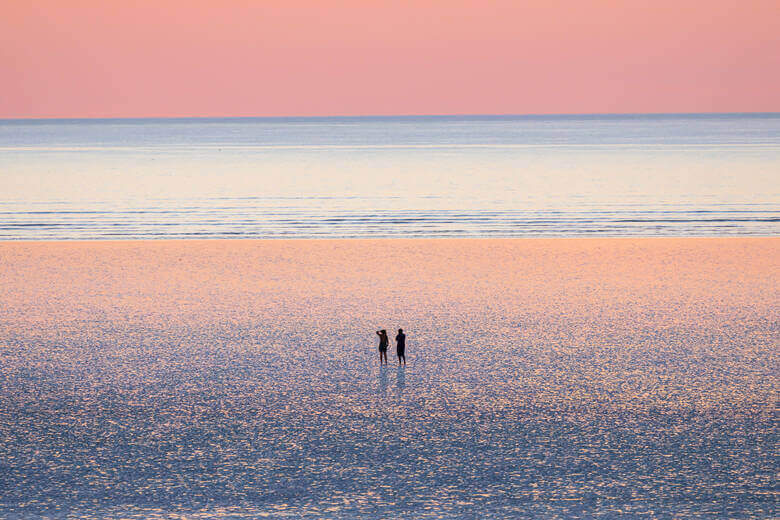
[{"x": 97, "y": 58}]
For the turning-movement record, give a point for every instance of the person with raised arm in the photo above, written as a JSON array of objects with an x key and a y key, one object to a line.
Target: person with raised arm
[{"x": 383, "y": 342}]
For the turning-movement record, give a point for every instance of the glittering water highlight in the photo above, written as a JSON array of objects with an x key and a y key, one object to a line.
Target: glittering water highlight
[{"x": 239, "y": 379}]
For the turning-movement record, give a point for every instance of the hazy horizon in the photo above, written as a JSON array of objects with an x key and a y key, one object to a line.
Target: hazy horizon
[{"x": 399, "y": 116}]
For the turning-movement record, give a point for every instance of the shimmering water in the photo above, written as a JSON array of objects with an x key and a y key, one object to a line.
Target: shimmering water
[
  {"x": 501, "y": 176},
  {"x": 239, "y": 379}
]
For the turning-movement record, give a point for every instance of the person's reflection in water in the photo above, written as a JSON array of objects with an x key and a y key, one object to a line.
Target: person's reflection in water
[
  {"x": 382, "y": 388},
  {"x": 400, "y": 380}
]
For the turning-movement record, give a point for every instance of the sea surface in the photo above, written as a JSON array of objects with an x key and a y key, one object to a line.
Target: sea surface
[{"x": 448, "y": 176}]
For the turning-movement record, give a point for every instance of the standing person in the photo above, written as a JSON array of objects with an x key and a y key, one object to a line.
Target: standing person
[
  {"x": 383, "y": 342},
  {"x": 400, "y": 346}
]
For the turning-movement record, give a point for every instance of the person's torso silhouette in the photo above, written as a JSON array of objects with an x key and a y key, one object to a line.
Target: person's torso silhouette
[
  {"x": 383, "y": 343},
  {"x": 400, "y": 346}
]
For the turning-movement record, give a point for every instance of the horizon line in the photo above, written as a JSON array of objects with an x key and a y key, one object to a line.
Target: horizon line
[{"x": 386, "y": 116}]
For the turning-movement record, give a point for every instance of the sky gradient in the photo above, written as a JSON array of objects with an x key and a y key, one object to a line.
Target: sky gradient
[{"x": 93, "y": 58}]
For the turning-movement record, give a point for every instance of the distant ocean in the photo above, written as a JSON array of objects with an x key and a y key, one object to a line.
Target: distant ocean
[{"x": 437, "y": 176}]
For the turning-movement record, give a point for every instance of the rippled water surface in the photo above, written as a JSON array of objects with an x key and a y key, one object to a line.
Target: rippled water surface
[
  {"x": 499, "y": 176},
  {"x": 240, "y": 379}
]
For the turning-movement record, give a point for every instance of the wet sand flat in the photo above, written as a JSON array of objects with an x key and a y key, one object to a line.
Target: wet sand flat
[{"x": 569, "y": 377}]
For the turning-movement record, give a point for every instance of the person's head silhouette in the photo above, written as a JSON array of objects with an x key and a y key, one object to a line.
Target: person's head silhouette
[{"x": 400, "y": 331}]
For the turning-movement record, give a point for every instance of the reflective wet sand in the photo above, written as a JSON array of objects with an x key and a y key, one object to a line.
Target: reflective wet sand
[{"x": 569, "y": 378}]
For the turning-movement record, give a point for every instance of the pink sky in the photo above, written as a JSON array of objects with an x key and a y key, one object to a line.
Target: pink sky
[{"x": 104, "y": 58}]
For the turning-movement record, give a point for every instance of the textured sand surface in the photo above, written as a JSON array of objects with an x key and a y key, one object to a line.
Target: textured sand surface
[{"x": 563, "y": 377}]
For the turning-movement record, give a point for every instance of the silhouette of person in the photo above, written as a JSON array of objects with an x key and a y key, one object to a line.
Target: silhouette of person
[
  {"x": 400, "y": 346},
  {"x": 383, "y": 342}
]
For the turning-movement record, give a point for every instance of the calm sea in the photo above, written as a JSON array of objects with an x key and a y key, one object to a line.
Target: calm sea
[{"x": 477, "y": 176}]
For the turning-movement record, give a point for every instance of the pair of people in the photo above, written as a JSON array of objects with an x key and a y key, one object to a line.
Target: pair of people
[{"x": 400, "y": 346}]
